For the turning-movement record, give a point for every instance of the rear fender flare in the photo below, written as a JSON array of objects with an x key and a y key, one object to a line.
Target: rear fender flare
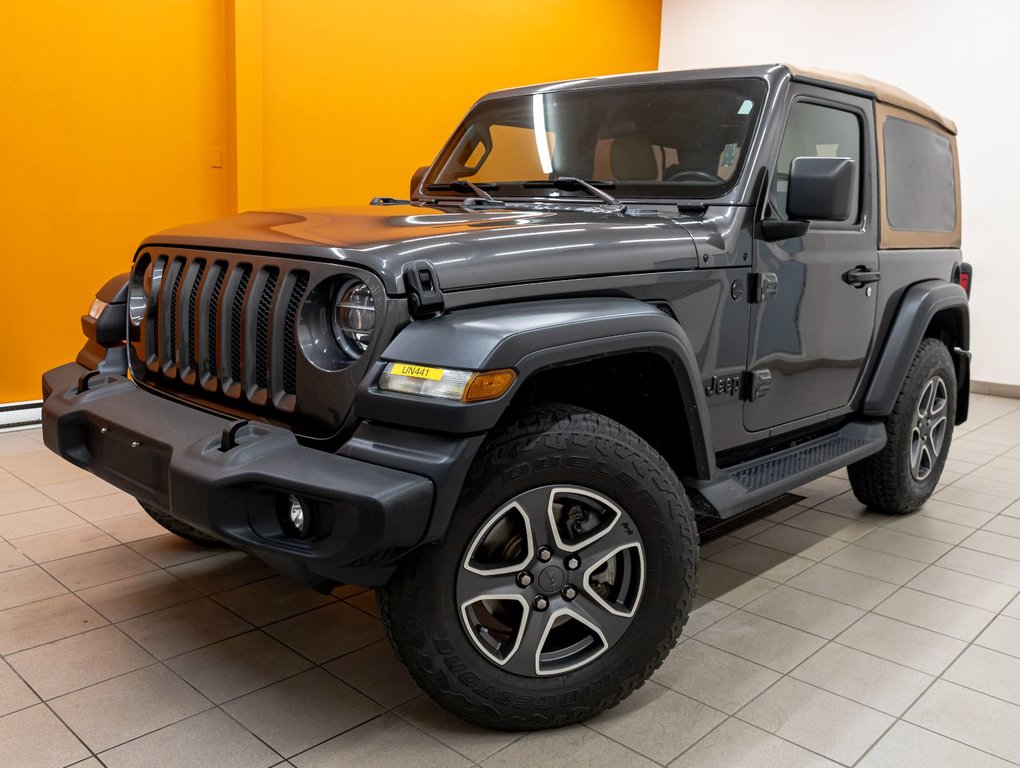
[{"x": 918, "y": 307}]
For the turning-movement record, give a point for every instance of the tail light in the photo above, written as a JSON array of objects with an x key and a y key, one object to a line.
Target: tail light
[{"x": 962, "y": 276}]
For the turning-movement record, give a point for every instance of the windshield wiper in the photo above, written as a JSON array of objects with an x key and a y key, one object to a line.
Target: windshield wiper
[
  {"x": 572, "y": 182},
  {"x": 467, "y": 186}
]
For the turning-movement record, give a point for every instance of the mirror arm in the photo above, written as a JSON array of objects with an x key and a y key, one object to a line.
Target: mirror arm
[{"x": 778, "y": 229}]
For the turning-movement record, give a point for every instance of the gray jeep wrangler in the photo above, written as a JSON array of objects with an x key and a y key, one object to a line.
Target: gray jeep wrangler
[{"x": 609, "y": 306}]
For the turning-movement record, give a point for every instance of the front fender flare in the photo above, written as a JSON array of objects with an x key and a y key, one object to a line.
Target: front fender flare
[{"x": 530, "y": 337}]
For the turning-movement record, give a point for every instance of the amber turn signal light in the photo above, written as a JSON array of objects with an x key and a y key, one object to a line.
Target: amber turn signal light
[{"x": 488, "y": 385}]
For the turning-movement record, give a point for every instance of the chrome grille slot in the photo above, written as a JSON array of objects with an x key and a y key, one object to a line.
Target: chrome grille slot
[{"x": 155, "y": 281}]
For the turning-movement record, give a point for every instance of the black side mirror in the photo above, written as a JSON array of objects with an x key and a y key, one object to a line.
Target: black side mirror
[
  {"x": 821, "y": 188},
  {"x": 416, "y": 179}
]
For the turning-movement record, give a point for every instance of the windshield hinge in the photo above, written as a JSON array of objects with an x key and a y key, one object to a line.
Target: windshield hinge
[
  {"x": 423, "y": 295},
  {"x": 763, "y": 286}
]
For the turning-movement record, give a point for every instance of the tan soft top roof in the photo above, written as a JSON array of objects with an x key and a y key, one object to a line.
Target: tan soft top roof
[{"x": 883, "y": 92}]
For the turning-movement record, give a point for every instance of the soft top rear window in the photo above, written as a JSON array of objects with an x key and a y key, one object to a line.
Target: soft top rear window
[{"x": 920, "y": 178}]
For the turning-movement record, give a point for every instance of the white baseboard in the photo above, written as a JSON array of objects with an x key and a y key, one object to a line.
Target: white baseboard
[
  {"x": 991, "y": 388},
  {"x": 20, "y": 415}
]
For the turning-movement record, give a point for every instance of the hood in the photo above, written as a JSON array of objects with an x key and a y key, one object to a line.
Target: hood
[{"x": 468, "y": 248}]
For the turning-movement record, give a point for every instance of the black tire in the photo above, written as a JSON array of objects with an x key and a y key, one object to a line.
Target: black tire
[
  {"x": 183, "y": 530},
  {"x": 583, "y": 468},
  {"x": 897, "y": 479}
]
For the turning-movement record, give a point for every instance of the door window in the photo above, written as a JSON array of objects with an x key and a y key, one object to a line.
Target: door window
[{"x": 814, "y": 130}]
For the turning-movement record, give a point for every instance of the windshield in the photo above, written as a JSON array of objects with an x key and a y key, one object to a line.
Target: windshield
[{"x": 664, "y": 140}]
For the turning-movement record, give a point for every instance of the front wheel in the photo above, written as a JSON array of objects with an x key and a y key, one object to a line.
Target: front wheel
[{"x": 563, "y": 581}]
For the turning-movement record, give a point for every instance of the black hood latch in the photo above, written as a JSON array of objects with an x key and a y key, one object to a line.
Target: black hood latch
[{"x": 422, "y": 284}]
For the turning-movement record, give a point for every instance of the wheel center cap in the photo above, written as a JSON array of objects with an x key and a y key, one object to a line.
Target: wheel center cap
[{"x": 551, "y": 580}]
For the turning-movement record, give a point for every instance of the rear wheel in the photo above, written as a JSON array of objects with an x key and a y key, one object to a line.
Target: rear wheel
[
  {"x": 902, "y": 476},
  {"x": 183, "y": 530},
  {"x": 563, "y": 580}
]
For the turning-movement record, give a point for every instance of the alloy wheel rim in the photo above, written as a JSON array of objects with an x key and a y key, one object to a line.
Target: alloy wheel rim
[
  {"x": 551, "y": 581},
  {"x": 928, "y": 433}
]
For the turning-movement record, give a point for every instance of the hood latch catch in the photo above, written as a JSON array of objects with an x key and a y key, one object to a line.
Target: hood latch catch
[{"x": 423, "y": 295}]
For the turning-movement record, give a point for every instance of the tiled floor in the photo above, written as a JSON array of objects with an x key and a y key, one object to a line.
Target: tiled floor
[{"x": 824, "y": 635}]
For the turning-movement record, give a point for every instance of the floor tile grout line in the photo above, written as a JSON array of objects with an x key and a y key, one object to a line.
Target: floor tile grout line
[
  {"x": 961, "y": 545},
  {"x": 396, "y": 713},
  {"x": 50, "y": 709},
  {"x": 835, "y": 640},
  {"x": 908, "y": 585},
  {"x": 7, "y": 657},
  {"x": 736, "y": 715},
  {"x": 214, "y": 707},
  {"x": 212, "y": 553},
  {"x": 886, "y": 581},
  {"x": 619, "y": 743},
  {"x": 726, "y": 716},
  {"x": 788, "y": 675},
  {"x": 346, "y": 730},
  {"x": 927, "y": 688},
  {"x": 118, "y": 624},
  {"x": 865, "y": 614},
  {"x": 13, "y": 543},
  {"x": 900, "y": 586}
]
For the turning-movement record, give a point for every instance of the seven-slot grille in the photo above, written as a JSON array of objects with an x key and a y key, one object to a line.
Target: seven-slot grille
[{"x": 224, "y": 325}]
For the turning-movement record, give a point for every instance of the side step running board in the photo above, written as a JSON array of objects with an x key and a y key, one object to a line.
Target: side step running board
[{"x": 742, "y": 486}]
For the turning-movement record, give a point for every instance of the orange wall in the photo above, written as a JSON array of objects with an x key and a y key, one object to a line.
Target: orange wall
[
  {"x": 357, "y": 95},
  {"x": 109, "y": 115},
  {"x": 113, "y": 113}
]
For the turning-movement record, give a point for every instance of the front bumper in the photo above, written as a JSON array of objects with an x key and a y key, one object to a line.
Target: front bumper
[{"x": 170, "y": 456}]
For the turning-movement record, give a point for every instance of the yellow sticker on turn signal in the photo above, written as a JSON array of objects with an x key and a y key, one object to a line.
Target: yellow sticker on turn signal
[{"x": 417, "y": 371}]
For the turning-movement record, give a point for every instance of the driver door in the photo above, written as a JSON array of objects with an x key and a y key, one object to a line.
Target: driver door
[{"x": 813, "y": 335}]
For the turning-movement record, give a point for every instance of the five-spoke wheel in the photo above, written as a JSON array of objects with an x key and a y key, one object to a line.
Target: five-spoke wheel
[
  {"x": 929, "y": 428},
  {"x": 565, "y": 576},
  {"x": 551, "y": 580}
]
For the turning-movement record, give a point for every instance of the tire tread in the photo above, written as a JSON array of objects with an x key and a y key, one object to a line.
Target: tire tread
[
  {"x": 878, "y": 480},
  {"x": 551, "y": 425}
]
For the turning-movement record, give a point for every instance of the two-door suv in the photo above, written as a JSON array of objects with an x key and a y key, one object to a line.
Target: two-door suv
[{"x": 609, "y": 305}]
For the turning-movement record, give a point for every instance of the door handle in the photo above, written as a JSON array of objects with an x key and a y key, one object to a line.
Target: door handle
[{"x": 860, "y": 276}]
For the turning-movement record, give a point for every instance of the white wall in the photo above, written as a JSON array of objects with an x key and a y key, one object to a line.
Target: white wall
[{"x": 960, "y": 56}]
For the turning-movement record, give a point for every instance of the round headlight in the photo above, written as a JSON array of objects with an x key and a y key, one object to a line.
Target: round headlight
[{"x": 354, "y": 318}]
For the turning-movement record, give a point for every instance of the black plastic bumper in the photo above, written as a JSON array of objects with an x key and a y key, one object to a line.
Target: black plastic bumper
[{"x": 168, "y": 455}]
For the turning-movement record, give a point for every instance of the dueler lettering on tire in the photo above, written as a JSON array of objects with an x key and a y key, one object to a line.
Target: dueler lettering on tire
[{"x": 562, "y": 583}]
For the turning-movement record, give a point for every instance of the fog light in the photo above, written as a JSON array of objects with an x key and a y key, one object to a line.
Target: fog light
[{"x": 296, "y": 514}]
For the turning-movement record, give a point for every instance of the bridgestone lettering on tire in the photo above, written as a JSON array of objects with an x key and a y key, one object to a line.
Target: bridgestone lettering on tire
[
  {"x": 563, "y": 580},
  {"x": 902, "y": 476}
]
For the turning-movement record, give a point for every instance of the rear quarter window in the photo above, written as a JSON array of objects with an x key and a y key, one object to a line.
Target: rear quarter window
[{"x": 920, "y": 178}]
